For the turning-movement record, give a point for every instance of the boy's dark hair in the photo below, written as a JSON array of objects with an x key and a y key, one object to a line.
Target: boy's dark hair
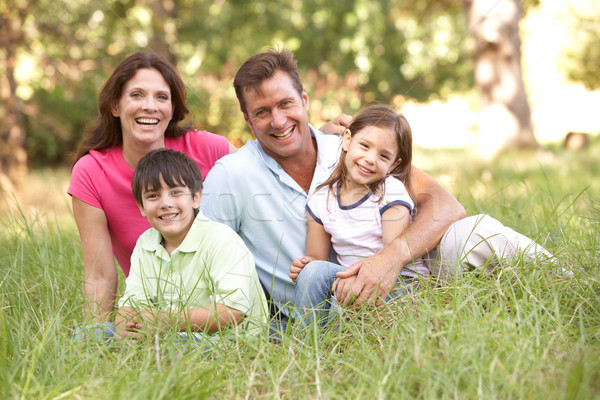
[
  {"x": 263, "y": 66},
  {"x": 176, "y": 169}
]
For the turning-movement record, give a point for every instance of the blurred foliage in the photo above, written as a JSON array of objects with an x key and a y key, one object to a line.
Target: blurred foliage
[
  {"x": 583, "y": 61},
  {"x": 350, "y": 52}
]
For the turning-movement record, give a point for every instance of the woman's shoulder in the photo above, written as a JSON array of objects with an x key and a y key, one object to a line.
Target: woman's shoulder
[
  {"x": 202, "y": 146},
  {"x": 195, "y": 137},
  {"x": 97, "y": 159}
]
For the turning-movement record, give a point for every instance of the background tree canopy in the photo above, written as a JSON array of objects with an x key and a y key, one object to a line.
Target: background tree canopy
[{"x": 56, "y": 54}]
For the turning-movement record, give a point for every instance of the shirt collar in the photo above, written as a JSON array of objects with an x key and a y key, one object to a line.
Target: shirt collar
[
  {"x": 327, "y": 156},
  {"x": 153, "y": 241}
]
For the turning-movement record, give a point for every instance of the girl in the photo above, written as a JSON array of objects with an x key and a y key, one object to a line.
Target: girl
[{"x": 363, "y": 206}]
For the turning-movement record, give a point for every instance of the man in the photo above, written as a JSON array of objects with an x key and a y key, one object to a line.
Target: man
[{"x": 261, "y": 191}]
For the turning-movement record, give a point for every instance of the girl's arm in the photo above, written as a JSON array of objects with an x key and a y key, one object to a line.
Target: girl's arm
[
  {"x": 394, "y": 222},
  {"x": 318, "y": 243},
  {"x": 100, "y": 272}
]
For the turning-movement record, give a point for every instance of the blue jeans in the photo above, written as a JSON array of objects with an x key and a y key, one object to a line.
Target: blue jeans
[{"x": 314, "y": 298}]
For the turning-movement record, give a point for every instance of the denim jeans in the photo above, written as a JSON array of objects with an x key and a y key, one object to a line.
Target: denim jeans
[{"x": 314, "y": 298}]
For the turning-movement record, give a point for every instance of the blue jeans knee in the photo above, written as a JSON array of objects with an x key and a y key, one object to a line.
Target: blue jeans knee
[{"x": 313, "y": 287}]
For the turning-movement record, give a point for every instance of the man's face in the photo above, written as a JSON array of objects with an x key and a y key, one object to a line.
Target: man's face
[{"x": 278, "y": 116}]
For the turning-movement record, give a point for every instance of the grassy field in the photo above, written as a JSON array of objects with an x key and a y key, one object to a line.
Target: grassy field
[{"x": 523, "y": 333}]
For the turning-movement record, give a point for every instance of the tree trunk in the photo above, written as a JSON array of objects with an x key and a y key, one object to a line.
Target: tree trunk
[
  {"x": 163, "y": 12},
  {"x": 13, "y": 155},
  {"x": 505, "y": 120}
]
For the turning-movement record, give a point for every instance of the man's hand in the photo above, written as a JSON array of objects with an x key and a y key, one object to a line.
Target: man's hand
[
  {"x": 343, "y": 290},
  {"x": 374, "y": 279},
  {"x": 338, "y": 125},
  {"x": 297, "y": 266}
]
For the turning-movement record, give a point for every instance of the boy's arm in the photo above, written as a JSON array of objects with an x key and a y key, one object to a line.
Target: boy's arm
[
  {"x": 125, "y": 324},
  {"x": 130, "y": 321},
  {"x": 211, "y": 319}
]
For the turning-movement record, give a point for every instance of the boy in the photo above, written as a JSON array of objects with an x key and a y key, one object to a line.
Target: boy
[{"x": 187, "y": 272}]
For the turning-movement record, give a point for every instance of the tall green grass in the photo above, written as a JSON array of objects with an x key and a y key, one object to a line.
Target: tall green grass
[{"x": 523, "y": 332}]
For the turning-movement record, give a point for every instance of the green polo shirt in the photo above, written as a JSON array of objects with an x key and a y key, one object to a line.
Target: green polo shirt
[{"x": 212, "y": 265}]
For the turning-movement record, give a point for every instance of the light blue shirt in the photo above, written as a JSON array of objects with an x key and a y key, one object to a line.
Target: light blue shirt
[{"x": 249, "y": 191}]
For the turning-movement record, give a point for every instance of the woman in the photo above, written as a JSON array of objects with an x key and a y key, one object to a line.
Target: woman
[{"x": 140, "y": 107}]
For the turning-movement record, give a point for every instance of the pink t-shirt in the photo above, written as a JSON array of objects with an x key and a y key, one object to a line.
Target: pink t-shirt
[{"x": 103, "y": 179}]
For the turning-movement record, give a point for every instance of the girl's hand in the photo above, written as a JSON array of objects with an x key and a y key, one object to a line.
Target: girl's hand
[{"x": 297, "y": 266}]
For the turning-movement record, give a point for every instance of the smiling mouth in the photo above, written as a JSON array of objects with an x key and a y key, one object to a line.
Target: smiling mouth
[
  {"x": 168, "y": 217},
  {"x": 147, "y": 121},
  {"x": 364, "y": 170},
  {"x": 285, "y": 134}
]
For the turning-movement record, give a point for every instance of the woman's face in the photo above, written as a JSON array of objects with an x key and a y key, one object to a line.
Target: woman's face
[{"x": 145, "y": 110}]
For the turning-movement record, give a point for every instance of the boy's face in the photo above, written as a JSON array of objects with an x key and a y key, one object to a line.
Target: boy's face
[{"x": 170, "y": 210}]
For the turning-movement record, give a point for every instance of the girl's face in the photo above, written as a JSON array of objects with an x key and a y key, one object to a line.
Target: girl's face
[
  {"x": 145, "y": 110},
  {"x": 370, "y": 155}
]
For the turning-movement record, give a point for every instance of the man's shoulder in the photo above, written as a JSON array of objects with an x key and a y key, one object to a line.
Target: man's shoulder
[
  {"x": 239, "y": 166},
  {"x": 206, "y": 229},
  {"x": 247, "y": 152},
  {"x": 328, "y": 147}
]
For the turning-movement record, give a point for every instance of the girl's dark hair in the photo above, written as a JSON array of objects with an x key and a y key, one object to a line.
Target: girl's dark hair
[
  {"x": 107, "y": 132},
  {"x": 383, "y": 117},
  {"x": 175, "y": 168}
]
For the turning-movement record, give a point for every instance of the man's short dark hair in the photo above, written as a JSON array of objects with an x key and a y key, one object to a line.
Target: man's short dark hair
[
  {"x": 175, "y": 168},
  {"x": 263, "y": 66}
]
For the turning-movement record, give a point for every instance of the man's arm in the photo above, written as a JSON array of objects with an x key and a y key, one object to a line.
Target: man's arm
[
  {"x": 220, "y": 199},
  {"x": 437, "y": 210}
]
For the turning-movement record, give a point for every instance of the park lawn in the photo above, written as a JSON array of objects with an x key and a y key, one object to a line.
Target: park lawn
[{"x": 523, "y": 332}]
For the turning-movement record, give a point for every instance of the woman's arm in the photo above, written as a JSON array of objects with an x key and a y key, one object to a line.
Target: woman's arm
[
  {"x": 232, "y": 148},
  {"x": 338, "y": 125},
  {"x": 100, "y": 272}
]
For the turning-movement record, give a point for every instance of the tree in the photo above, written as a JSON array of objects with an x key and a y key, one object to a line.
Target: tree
[
  {"x": 350, "y": 53},
  {"x": 13, "y": 157},
  {"x": 505, "y": 120}
]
